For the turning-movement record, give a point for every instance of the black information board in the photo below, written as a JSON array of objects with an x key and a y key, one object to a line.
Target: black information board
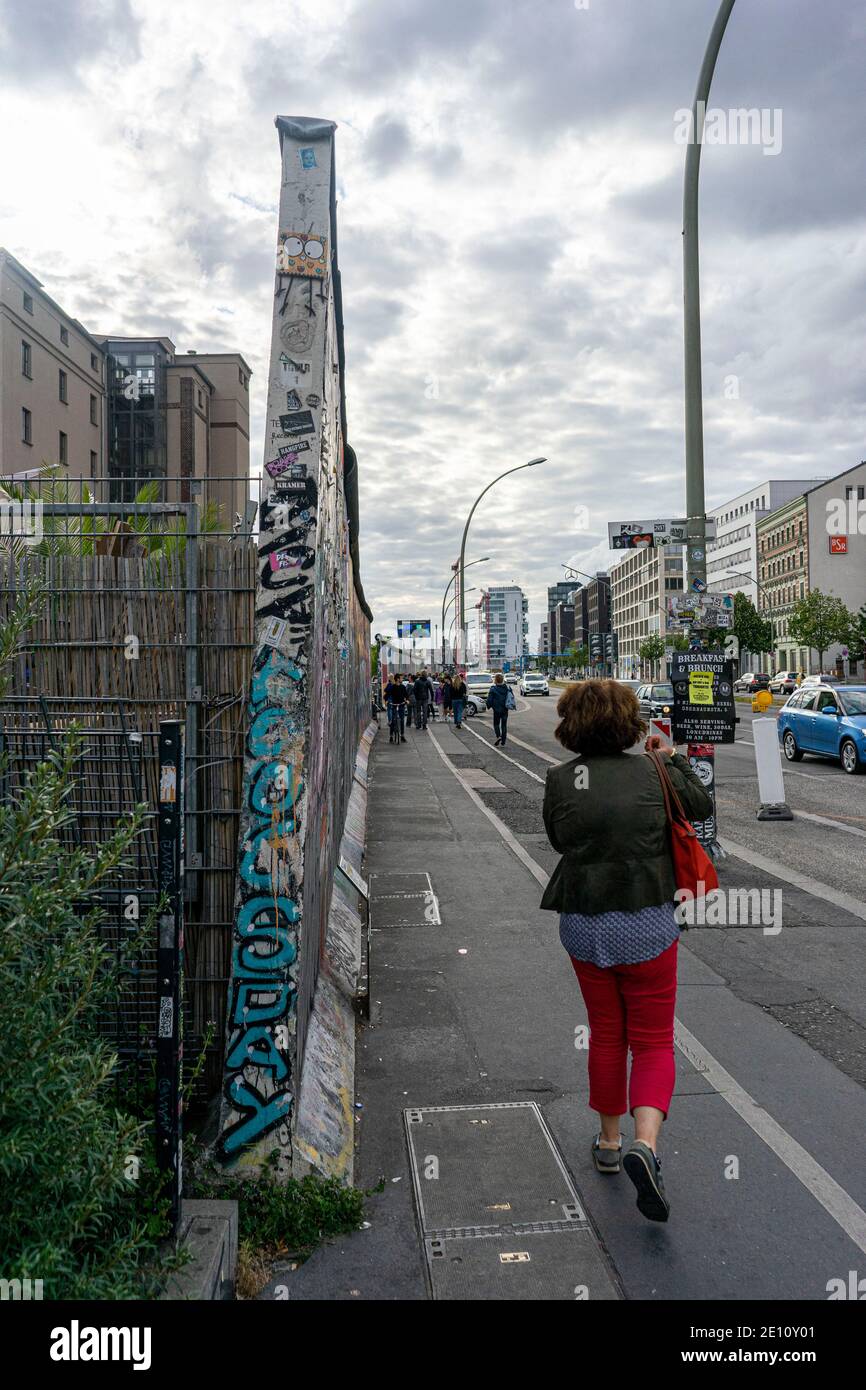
[{"x": 704, "y": 710}]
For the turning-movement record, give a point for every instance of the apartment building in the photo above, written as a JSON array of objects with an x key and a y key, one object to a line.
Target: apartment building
[
  {"x": 816, "y": 541},
  {"x": 598, "y": 612},
  {"x": 52, "y": 390},
  {"x": 179, "y": 417},
  {"x": 125, "y": 409},
  {"x": 503, "y": 625},
  {"x": 543, "y": 639},
  {"x": 640, "y": 587},
  {"x": 732, "y": 554}
]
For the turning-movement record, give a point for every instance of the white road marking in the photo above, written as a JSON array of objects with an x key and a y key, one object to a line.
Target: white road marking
[
  {"x": 838, "y": 1204},
  {"x": 489, "y": 745},
  {"x": 812, "y": 886},
  {"x": 833, "y": 1198},
  {"x": 825, "y": 820}
]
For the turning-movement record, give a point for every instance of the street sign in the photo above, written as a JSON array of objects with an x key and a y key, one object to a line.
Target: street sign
[
  {"x": 662, "y": 727},
  {"x": 636, "y": 535},
  {"x": 704, "y": 710}
]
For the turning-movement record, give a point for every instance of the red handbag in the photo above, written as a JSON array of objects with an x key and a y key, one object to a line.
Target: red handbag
[{"x": 693, "y": 867}]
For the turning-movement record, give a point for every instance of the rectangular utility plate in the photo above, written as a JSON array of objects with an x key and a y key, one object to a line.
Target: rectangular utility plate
[
  {"x": 403, "y": 900},
  {"x": 487, "y": 1166},
  {"x": 563, "y": 1265}
]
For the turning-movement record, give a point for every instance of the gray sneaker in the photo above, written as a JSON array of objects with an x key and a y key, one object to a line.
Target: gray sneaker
[
  {"x": 644, "y": 1169},
  {"x": 606, "y": 1160}
]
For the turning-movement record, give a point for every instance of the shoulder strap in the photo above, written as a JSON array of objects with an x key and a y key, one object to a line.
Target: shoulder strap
[{"x": 674, "y": 809}]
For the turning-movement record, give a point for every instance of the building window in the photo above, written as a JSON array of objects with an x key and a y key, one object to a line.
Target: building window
[
  {"x": 64, "y": 336},
  {"x": 93, "y": 463},
  {"x": 93, "y": 417},
  {"x": 199, "y": 400},
  {"x": 28, "y": 303},
  {"x": 26, "y": 359},
  {"x": 63, "y": 448},
  {"x": 63, "y": 385},
  {"x": 26, "y": 426},
  {"x": 94, "y": 362}
]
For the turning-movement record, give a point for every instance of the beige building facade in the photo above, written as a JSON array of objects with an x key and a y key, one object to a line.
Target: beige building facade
[
  {"x": 640, "y": 586},
  {"x": 118, "y": 411}
]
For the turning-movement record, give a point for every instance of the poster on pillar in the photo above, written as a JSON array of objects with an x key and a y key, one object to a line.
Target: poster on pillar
[{"x": 704, "y": 710}]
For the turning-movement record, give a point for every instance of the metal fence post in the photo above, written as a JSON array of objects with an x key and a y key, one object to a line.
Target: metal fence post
[{"x": 169, "y": 1042}]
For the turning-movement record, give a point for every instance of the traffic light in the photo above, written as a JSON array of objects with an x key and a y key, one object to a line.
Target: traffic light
[
  {"x": 595, "y": 646},
  {"x": 607, "y": 646},
  {"x": 614, "y": 646}
]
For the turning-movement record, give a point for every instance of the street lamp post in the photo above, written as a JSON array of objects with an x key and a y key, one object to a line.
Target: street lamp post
[
  {"x": 531, "y": 464},
  {"x": 469, "y": 563},
  {"x": 696, "y": 547}
]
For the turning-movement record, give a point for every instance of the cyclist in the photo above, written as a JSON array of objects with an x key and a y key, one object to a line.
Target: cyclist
[{"x": 396, "y": 698}]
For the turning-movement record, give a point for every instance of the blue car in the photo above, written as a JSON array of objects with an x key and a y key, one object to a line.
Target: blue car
[{"x": 827, "y": 720}]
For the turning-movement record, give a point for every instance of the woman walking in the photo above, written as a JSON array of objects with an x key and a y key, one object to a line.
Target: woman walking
[
  {"x": 614, "y": 889},
  {"x": 497, "y": 700},
  {"x": 458, "y": 699},
  {"x": 447, "y": 695}
]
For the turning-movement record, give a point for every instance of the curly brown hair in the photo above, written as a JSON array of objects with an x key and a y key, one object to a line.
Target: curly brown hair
[{"x": 598, "y": 716}]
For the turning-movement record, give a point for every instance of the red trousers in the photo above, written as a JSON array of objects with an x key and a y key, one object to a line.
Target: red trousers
[{"x": 630, "y": 1007}]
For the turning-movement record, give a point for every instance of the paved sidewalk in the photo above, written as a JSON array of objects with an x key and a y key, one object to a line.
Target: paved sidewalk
[{"x": 482, "y": 1007}]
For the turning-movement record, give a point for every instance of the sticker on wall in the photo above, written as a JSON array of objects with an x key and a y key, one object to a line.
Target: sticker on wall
[
  {"x": 168, "y": 783},
  {"x": 297, "y": 334},
  {"x": 293, "y": 401},
  {"x": 274, "y": 631},
  {"x": 307, "y": 158},
  {"x": 312, "y": 400},
  {"x": 299, "y": 253},
  {"x": 290, "y": 559},
  {"x": 287, "y": 463},
  {"x": 298, "y": 422}
]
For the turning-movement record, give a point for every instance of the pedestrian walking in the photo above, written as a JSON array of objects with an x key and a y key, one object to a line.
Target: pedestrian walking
[
  {"x": 605, "y": 813},
  {"x": 396, "y": 700},
  {"x": 437, "y": 698},
  {"x": 500, "y": 700},
  {"x": 447, "y": 697},
  {"x": 423, "y": 692},
  {"x": 410, "y": 696},
  {"x": 458, "y": 699}
]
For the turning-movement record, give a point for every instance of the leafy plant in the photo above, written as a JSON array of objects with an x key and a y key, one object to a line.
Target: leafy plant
[
  {"x": 819, "y": 620},
  {"x": 69, "y": 1201}
]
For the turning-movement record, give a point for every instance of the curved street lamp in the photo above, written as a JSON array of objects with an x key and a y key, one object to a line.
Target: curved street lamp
[
  {"x": 531, "y": 464},
  {"x": 445, "y": 595}
]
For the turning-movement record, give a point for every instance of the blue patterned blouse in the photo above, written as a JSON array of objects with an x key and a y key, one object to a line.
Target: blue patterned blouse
[{"x": 619, "y": 938}]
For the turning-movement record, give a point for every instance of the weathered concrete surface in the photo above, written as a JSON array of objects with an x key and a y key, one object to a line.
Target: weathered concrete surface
[{"x": 209, "y": 1231}]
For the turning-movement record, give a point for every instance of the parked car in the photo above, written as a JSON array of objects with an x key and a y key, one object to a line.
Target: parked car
[
  {"x": 534, "y": 683},
  {"x": 784, "y": 682},
  {"x": 752, "y": 682},
  {"x": 826, "y": 720},
  {"x": 826, "y": 678},
  {"x": 477, "y": 685},
  {"x": 632, "y": 685},
  {"x": 656, "y": 700}
]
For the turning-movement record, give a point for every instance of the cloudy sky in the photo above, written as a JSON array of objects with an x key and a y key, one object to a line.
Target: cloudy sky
[{"x": 510, "y": 192}]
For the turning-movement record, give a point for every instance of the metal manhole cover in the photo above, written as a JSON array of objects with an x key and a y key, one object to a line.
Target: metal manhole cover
[
  {"x": 482, "y": 1166},
  {"x": 563, "y": 1265}
]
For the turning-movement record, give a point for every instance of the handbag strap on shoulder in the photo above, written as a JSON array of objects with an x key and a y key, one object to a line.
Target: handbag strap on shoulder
[{"x": 674, "y": 809}]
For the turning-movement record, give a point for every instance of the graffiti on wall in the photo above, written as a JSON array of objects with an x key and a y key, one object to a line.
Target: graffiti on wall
[{"x": 302, "y": 715}]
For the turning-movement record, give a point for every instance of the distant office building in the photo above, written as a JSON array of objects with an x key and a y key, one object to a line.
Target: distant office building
[
  {"x": 543, "y": 640},
  {"x": 640, "y": 586},
  {"x": 124, "y": 409},
  {"x": 560, "y": 592},
  {"x": 561, "y": 626},
  {"x": 503, "y": 625},
  {"x": 597, "y": 593},
  {"x": 732, "y": 556}
]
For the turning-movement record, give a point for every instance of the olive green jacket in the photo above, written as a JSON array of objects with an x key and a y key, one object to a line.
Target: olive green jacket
[{"x": 612, "y": 832}]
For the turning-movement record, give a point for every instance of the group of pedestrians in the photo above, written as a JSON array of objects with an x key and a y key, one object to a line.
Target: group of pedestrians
[{"x": 417, "y": 700}]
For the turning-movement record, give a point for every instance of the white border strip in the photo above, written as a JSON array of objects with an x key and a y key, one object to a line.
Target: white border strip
[{"x": 812, "y": 886}]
